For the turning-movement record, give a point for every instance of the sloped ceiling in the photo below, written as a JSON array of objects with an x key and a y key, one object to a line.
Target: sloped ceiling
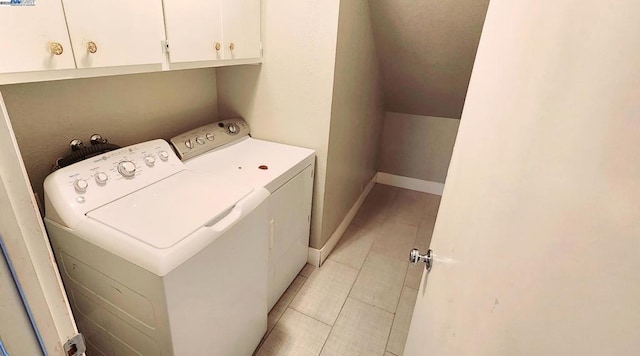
[{"x": 426, "y": 50}]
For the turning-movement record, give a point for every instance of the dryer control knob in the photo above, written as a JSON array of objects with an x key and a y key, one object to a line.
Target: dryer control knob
[
  {"x": 149, "y": 160},
  {"x": 210, "y": 136},
  {"x": 200, "y": 140},
  {"x": 232, "y": 129},
  {"x": 127, "y": 169},
  {"x": 189, "y": 144},
  {"x": 163, "y": 155},
  {"x": 101, "y": 178},
  {"x": 80, "y": 185}
]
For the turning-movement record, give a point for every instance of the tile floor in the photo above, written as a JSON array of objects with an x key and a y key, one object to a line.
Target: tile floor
[{"x": 361, "y": 300}]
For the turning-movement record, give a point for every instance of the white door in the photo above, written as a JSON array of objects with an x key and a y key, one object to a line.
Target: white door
[
  {"x": 28, "y": 248},
  {"x": 34, "y": 38},
  {"x": 194, "y": 30},
  {"x": 241, "y": 27},
  {"x": 537, "y": 241},
  {"x": 116, "y": 32}
]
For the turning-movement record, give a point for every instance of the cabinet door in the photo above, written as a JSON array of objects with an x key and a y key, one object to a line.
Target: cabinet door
[
  {"x": 241, "y": 28},
  {"x": 194, "y": 30},
  {"x": 124, "y": 32},
  {"x": 290, "y": 210},
  {"x": 27, "y": 33}
]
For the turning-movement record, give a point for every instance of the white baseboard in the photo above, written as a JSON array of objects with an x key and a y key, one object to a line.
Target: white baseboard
[
  {"x": 317, "y": 256},
  {"x": 424, "y": 186}
]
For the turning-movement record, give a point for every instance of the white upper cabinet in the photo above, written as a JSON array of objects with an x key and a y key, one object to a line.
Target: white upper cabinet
[
  {"x": 97, "y": 38},
  {"x": 241, "y": 29},
  {"x": 208, "y": 30},
  {"x": 194, "y": 30},
  {"x": 34, "y": 38},
  {"x": 115, "y": 32}
]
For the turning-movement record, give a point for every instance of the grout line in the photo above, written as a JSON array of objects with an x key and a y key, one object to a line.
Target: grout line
[
  {"x": 358, "y": 275},
  {"x": 266, "y": 335}
]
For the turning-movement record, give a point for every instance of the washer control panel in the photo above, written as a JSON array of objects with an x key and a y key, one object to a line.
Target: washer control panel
[
  {"x": 98, "y": 180},
  {"x": 205, "y": 138}
]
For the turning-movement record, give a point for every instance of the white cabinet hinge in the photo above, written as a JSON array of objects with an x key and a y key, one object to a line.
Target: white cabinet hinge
[
  {"x": 75, "y": 346},
  {"x": 165, "y": 46}
]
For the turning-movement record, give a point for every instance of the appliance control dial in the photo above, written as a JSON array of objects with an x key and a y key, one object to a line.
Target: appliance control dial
[
  {"x": 101, "y": 178},
  {"x": 210, "y": 136},
  {"x": 149, "y": 160},
  {"x": 127, "y": 169},
  {"x": 163, "y": 155},
  {"x": 232, "y": 129},
  {"x": 189, "y": 144},
  {"x": 80, "y": 185},
  {"x": 200, "y": 140}
]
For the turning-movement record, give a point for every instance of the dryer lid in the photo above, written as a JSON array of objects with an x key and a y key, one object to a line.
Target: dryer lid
[{"x": 167, "y": 211}]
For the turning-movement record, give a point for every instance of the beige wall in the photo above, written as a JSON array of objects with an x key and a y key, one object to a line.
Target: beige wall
[
  {"x": 288, "y": 98},
  {"x": 417, "y": 146},
  {"x": 125, "y": 109},
  {"x": 426, "y": 50},
  {"x": 356, "y": 115}
]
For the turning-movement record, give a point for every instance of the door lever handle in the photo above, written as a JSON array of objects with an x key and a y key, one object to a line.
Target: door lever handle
[{"x": 415, "y": 257}]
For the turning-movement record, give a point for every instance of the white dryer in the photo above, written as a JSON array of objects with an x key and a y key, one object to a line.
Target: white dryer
[
  {"x": 157, "y": 259},
  {"x": 226, "y": 149}
]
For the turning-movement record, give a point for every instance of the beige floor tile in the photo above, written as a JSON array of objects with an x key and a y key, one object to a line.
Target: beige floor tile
[
  {"x": 295, "y": 334},
  {"x": 425, "y": 231},
  {"x": 401, "y": 321},
  {"x": 371, "y": 215},
  {"x": 307, "y": 270},
  {"x": 284, "y": 301},
  {"x": 414, "y": 276},
  {"x": 361, "y": 329},
  {"x": 325, "y": 291},
  {"x": 383, "y": 192},
  {"x": 395, "y": 239},
  {"x": 432, "y": 205},
  {"x": 380, "y": 282},
  {"x": 408, "y": 206},
  {"x": 353, "y": 247}
]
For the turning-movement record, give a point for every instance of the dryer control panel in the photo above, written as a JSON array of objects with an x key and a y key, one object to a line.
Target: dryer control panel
[
  {"x": 208, "y": 137},
  {"x": 72, "y": 191}
]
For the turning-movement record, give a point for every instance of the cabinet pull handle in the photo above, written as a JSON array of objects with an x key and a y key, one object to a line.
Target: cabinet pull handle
[
  {"x": 92, "y": 47},
  {"x": 232, "y": 46},
  {"x": 218, "y": 46},
  {"x": 56, "y": 48}
]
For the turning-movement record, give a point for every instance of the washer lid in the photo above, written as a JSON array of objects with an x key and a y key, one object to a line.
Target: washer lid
[{"x": 167, "y": 211}]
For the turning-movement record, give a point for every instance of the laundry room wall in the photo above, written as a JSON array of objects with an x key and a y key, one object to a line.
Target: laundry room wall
[
  {"x": 426, "y": 50},
  {"x": 288, "y": 98},
  {"x": 357, "y": 115},
  {"x": 127, "y": 109}
]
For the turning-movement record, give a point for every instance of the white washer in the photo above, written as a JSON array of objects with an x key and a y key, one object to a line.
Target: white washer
[
  {"x": 157, "y": 259},
  {"x": 226, "y": 149}
]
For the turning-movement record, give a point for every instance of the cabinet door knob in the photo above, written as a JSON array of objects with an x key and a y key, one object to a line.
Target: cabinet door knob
[
  {"x": 92, "y": 47},
  {"x": 218, "y": 46},
  {"x": 232, "y": 46},
  {"x": 56, "y": 48}
]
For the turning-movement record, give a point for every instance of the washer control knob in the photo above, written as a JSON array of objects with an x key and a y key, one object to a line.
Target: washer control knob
[
  {"x": 101, "y": 178},
  {"x": 200, "y": 140},
  {"x": 189, "y": 144},
  {"x": 163, "y": 155},
  {"x": 149, "y": 160},
  {"x": 210, "y": 136},
  {"x": 80, "y": 185},
  {"x": 127, "y": 169},
  {"x": 232, "y": 129}
]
